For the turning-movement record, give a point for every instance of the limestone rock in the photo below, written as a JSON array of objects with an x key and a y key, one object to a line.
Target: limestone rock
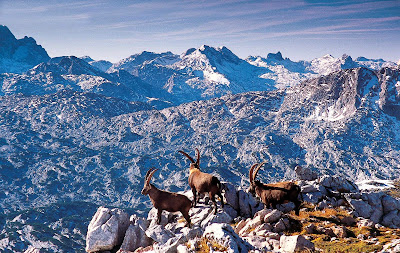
[
  {"x": 225, "y": 235},
  {"x": 389, "y": 203},
  {"x": 159, "y": 234},
  {"x": 106, "y": 229},
  {"x": 273, "y": 216},
  {"x": 221, "y": 217},
  {"x": 295, "y": 243},
  {"x": 338, "y": 183},
  {"x": 392, "y": 219},
  {"x": 304, "y": 173},
  {"x": 231, "y": 196},
  {"x": 135, "y": 235}
]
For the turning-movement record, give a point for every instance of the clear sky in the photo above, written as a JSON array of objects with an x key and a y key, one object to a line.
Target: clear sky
[{"x": 301, "y": 30}]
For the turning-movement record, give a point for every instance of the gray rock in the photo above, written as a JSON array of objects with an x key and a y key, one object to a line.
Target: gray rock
[
  {"x": 159, "y": 234},
  {"x": 106, "y": 229},
  {"x": 135, "y": 235},
  {"x": 248, "y": 206},
  {"x": 259, "y": 243},
  {"x": 389, "y": 203},
  {"x": 224, "y": 234},
  {"x": 280, "y": 226},
  {"x": 361, "y": 208},
  {"x": 251, "y": 225},
  {"x": 221, "y": 217},
  {"x": 392, "y": 219},
  {"x": 262, "y": 213},
  {"x": 338, "y": 183},
  {"x": 309, "y": 188},
  {"x": 295, "y": 243},
  {"x": 231, "y": 195},
  {"x": 312, "y": 197},
  {"x": 273, "y": 216},
  {"x": 229, "y": 210},
  {"x": 305, "y": 173},
  {"x": 199, "y": 213},
  {"x": 287, "y": 207},
  {"x": 166, "y": 217},
  {"x": 171, "y": 245}
]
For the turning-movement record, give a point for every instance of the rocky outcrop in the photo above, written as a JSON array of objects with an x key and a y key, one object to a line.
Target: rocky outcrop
[
  {"x": 106, "y": 229},
  {"x": 244, "y": 225}
]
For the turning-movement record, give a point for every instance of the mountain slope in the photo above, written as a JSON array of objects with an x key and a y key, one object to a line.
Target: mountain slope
[{"x": 78, "y": 147}]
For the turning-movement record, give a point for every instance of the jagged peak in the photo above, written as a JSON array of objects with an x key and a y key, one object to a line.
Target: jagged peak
[
  {"x": 215, "y": 53},
  {"x": 277, "y": 56},
  {"x": 6, "y": 34}
]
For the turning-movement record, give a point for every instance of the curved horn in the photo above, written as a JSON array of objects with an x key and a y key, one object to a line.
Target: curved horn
[
  {"x": 256, "y": 171},
  {"x": 188, "y": 156},
  {"x": 147, "y": 173},
  {"x": 198, "y": 157},
  {"x": 251, "y": 172},
  {"x": 150, "y": 175}
]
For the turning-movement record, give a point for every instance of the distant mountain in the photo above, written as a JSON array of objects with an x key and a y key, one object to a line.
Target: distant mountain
[
  {"x": 19, "y": 55},
  {"x": 101, "y": 64}
]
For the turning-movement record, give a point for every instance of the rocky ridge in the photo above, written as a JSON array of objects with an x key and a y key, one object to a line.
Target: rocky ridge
[{"x": 245, "y": 226}]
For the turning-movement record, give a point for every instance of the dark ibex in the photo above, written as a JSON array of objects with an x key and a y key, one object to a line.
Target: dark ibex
[
  {"x": 275, "y": 193},
  {"x": 163, "y": 200},
  {"x": 201, "y": 182}
]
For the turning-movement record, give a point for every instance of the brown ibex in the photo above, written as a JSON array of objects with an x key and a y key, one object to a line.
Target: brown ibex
[
  {"x": 201, "y": 182},
  {"x": 163, "y": 200},
  {"x": 274, "y": 193}
]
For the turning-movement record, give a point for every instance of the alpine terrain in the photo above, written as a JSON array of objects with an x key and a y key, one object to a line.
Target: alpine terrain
[{"x": 76, "y": 133}]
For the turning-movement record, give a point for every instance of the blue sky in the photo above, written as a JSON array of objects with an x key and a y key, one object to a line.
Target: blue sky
[{"x": 301, "y": 30}]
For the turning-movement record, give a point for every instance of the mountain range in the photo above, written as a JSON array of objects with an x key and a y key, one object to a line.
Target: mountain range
[{"x": 75, "y": 134}]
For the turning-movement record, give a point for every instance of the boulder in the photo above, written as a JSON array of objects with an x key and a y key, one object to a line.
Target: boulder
[
  {"x": 251, "y": 225},
  {"x": 295, "y": 243},
  {"x": 273, "y": 216},
  {"x": 361, "y": 208},
  {"x": 389, "y": 203},
  {"x": 159, "y": 234},
  {"x": 221, "y": 217},
  {"x": 231, "y": 195},
  {"x": 166, "y": 217},
  {"x": 106, "y": 229},
  {"x": 135, "y": 235},
  {"x": 392, "y": 219},
  {"x": 312, "y": 197},
  {"x": 260, "y": 243},
  {"x": 337, "y": 183},
  {"x": 248, "y": 206},
  {"x": 225, "y": 235},
  {"x": 287, "y": 207},
  {"x": 305, "y": 173},
  {"x": 309, "y": 188},
  {"x": 171, "y": 245},
  {"x": 280, "y": 226}
]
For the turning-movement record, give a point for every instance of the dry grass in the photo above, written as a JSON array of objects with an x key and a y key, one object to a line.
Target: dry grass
[
  {"x": 205, "y": 245},
  {"x": 395, "y": 192},
  {"x": 328, "y": 217}
]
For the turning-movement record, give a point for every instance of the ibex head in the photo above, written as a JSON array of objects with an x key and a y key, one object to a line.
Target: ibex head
[
  {"x": 147, "y": 186},
  {"x": 193, "y": 164},
  {"x": 252, "y": 176}
]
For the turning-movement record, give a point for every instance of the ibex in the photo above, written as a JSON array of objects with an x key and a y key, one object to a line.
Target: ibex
[
  {"x": 163, "y": 200},
  {"x": 201, "y": 182},
  {"x": 275, "y": 193}
]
